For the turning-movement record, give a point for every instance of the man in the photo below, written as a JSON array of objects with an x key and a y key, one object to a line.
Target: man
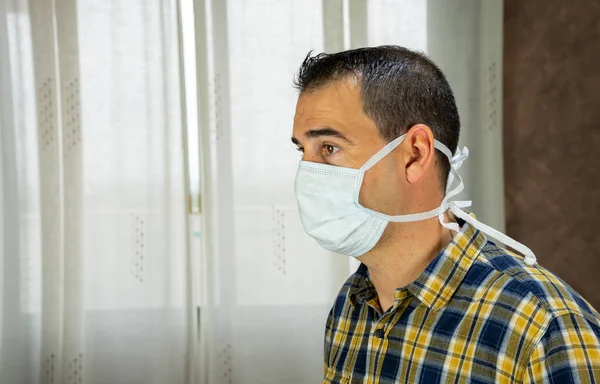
[{"x": 434, "y": 300}]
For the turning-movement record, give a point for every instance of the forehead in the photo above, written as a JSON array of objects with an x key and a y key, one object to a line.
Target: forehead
[
  {"x": 336, "y": 105},
  {"x": 335, "y": 95}
]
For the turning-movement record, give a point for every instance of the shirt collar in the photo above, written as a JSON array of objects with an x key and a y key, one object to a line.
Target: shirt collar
[
  {"x": 361, "y": 288},
  {"x": 436, "y": 285}
]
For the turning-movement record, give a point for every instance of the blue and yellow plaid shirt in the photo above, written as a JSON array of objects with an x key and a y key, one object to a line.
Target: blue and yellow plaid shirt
[{"x": 477, "y": 314}]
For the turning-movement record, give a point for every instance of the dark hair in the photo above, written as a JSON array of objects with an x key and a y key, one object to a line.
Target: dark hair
[{"x": 399, "y": 87}]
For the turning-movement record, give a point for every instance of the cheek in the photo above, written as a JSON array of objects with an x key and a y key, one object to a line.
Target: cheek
[
  {"x": 372, "y": 191},
  {"x": 381, "y": 190}
]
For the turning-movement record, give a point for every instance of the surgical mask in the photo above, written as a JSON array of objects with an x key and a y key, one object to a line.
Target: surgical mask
[{"x": 331, "y": 213}]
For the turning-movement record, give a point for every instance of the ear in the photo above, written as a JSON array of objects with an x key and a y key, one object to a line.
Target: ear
[{"x": 420, "y": 152}]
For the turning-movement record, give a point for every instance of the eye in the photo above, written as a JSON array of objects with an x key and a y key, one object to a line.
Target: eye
[{"x": 330, "y": 149}]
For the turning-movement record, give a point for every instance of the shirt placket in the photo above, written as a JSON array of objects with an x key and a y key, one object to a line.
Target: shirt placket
[{"x": 380, "y": 329}]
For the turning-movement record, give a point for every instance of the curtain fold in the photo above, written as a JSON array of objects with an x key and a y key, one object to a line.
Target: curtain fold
[
  {"x": 269, "y": 285},
  {"x": 95, "y": 287}
]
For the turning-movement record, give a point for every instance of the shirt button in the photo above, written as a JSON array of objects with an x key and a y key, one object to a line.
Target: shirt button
[{"x": 379, "y": 333}]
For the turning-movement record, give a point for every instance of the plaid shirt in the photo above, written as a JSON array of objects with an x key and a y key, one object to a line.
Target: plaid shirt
[{"x": 477, "y": 314}]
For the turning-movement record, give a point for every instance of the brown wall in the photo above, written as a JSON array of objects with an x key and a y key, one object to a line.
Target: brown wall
[{"x": 552, "y": 135}]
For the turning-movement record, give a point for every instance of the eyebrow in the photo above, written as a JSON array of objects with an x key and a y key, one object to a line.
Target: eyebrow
[{"x": 326, "y": 131}]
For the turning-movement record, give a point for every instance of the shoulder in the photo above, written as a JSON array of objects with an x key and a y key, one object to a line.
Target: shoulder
[
  {"x": 568, "y": 352},
  {"x": 515, "y": 278}
]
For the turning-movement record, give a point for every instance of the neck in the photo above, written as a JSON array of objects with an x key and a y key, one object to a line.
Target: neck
[{"x": 402, "y": 254}]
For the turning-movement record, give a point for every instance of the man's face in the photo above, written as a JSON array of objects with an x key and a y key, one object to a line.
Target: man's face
[{"x": 330, "y": 127}]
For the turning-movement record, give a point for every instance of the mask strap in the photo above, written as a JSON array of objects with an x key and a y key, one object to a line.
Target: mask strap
[
  {"x": 411, "y": 217},
  {"x": 455, "y": 207},
  {"x": 439, "y": 211},
  {"x": 456, "y": 161},
  {"x": 530, "y": 258},
  {"x": 446, "y": 203},
  {"x": 441, "y": 147},
  {"x": 383, "y": 152}
]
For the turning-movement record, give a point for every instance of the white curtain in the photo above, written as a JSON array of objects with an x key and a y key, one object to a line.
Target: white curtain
[
  {"x": 96, "y": 278},
  {"x": 268, "y": 286},
  {"x": 98, "y": 253}
]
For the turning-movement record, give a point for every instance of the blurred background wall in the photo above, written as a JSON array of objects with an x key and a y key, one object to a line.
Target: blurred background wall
[{"x": 552, "y": 135}]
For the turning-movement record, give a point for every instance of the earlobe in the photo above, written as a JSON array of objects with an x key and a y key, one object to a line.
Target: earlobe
[{"x": 420, "y": 152}]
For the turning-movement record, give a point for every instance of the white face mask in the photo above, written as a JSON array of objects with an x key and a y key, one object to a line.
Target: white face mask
[{"x": 330, "y": 212}]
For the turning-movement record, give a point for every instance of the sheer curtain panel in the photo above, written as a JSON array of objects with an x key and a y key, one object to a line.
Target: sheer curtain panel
[
  {"x": 95, "y": 283},
  {"x": 268, "y": 286}
]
